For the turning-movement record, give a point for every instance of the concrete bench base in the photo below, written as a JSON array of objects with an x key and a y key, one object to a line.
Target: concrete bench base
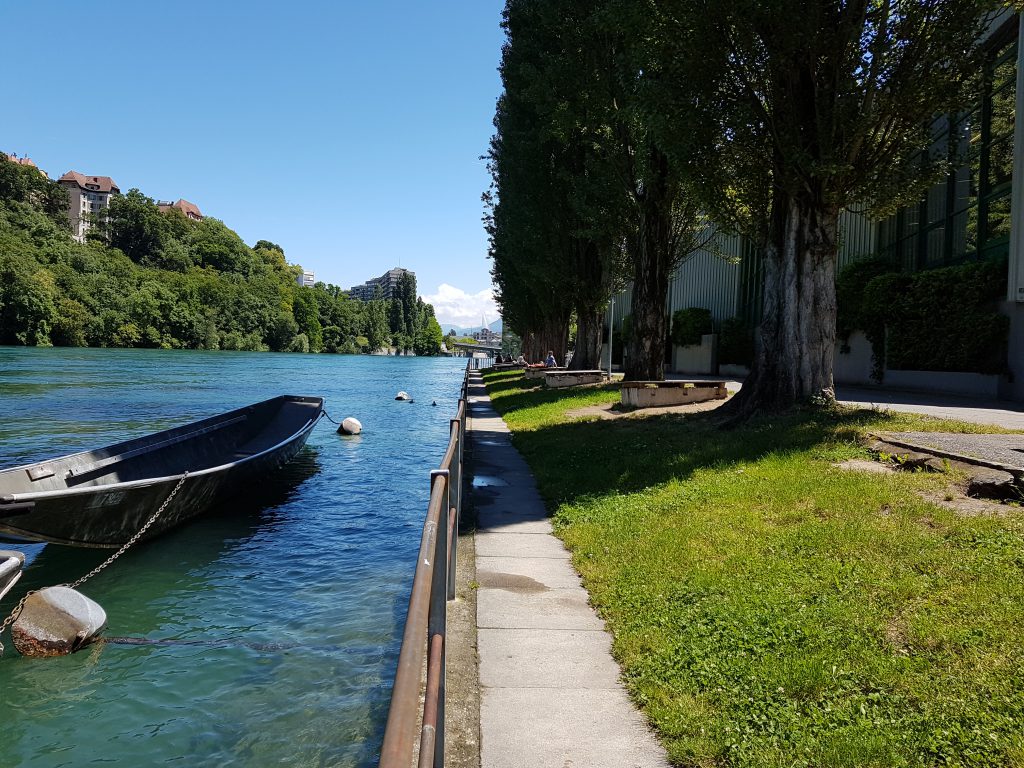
[
  {"x": 538, "y": 373},
  {"x": 648, "y": 394},
  {"x": 556, "y": 379}
]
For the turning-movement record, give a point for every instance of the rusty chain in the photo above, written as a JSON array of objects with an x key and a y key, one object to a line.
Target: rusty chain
[{"x": 73, "y": 585}]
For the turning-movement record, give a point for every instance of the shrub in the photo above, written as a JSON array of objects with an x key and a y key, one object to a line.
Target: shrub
[
  {"x": 735, "y": 342},
  {"x": 946, "y": 319},
  {"x": 937, "y": 320},
  {"x": 851, "y": 314},
  {"x": 688, "y": 325}
]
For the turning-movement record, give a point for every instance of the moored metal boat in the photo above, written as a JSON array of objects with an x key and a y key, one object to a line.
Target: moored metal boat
[
  {"x": 10, "y": 569},
  {"x": 102, "y": 498}
]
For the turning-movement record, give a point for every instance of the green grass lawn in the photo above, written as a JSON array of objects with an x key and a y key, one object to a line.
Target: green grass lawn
[{"x": 770, "y": 609}]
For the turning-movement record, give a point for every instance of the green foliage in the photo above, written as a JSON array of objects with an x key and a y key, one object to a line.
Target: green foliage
[
  {"x": 937, "y": 320},
  {"x": 943, "y": 319},
  {"x": 688, "y": 325},
  {"x": 735, "y": 342},
  {"x": 26, "y": 184},
  {"x": 768, "y": 609},
  {"x": 853, "y": 312},
  {"x": 157, "y": 279},
  {"x": 429, "y": 338}
]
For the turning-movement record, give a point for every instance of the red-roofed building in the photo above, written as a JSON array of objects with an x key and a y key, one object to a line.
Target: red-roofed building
[
  {"x": 191, "y": 210},
  {"x": 27, "y": 161},
  {"x": 88, "y": 196}
]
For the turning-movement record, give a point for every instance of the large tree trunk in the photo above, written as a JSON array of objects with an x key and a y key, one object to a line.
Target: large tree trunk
[
  {"x": 795, "y": 353},
  {"x": 653, "y": 260},
  {"x": 589, "y": 327},
  {"x": 552, "y": 336}
]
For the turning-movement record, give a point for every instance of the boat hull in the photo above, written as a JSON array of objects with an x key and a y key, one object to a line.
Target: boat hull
[{"x": 107, "y": 514}]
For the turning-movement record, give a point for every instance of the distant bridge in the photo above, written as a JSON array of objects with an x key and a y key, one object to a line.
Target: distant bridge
[{"x": 460, "y": 346}]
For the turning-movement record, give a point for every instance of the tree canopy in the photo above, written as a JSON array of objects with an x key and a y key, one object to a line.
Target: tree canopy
[
  {"x": 638, "y": 128},
  {"x": 152, "y": 278}
]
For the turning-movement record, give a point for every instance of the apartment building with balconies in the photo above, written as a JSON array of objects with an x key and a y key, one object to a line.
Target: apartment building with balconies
[{"x": 88, "y": 197}]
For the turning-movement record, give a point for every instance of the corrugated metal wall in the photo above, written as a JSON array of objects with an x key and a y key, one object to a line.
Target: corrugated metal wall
[
  {"x": 858, "y": 237},
  {"x": 709, "y": 279},
  {"x": 726, "y": 278}
]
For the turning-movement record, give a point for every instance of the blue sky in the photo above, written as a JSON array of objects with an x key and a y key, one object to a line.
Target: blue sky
[{"x": 348, "y": 132}]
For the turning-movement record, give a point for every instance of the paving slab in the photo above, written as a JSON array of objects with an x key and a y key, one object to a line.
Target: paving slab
[
  {"x": 503, "y": 522},
  {"x": 549, "y": 573},
  {"x": 520, "y": 545},
  {"x": 564, "y": 728},
  {"x": 995, "y": 450},
  {"x": 550, "y": 690},
  {"x": 548, "y": 609},
  {"x": 545, "y": 658}
]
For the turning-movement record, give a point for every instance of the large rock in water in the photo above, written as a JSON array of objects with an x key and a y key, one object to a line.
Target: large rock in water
[{"x": 57, "y": 621}]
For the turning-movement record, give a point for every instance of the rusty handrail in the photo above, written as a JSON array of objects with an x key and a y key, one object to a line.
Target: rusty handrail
[{"x": 424, "y": 638}]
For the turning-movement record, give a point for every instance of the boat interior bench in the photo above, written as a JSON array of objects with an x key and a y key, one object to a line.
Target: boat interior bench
[
  {"x": 563, "y": 378},
  {"x": 647, "y": 394}
]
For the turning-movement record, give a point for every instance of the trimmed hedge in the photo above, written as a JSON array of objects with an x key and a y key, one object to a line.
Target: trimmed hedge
[
  {"x": 937, "y": 320},
  {"x": 688, "y": 325}
]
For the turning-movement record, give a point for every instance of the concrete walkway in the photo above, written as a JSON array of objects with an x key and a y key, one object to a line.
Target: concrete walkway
[
  {"x": 1001, "y": 413},
  {"x": 550, "y": 691}
]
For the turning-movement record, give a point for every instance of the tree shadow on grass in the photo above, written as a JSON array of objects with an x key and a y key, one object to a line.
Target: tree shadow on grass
[
  {"x": 504, "y": 381},
  {"x": 595, "y": 458}
]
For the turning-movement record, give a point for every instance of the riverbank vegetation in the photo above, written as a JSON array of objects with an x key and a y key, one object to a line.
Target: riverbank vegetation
[
  {"x": 149, "y": 278},
  {"x": 771, "y": 609},
  {"x": 630, "y": 133}
]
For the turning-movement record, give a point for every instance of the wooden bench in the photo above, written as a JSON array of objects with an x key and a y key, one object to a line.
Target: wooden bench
[
  {"x": 565, "y": 378},
  {"x": 647, "y": 394}
]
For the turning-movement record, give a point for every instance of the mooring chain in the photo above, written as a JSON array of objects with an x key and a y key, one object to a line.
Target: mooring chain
[{"x": 75, "y": 584}]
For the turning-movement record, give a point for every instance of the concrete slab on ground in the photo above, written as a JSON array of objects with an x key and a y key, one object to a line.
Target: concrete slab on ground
[
  {"x": 545, "y": 658},
  {"x": 544, "y": 571},
  {"x": 1000, "y": 451},
  {"x": 547, "y": 609},
  {"x": 520, "y": 545},
  {"x": 497, "y": 522},
  {"x": 560, "y": 727},
  {"x": 551, "y": 696}
]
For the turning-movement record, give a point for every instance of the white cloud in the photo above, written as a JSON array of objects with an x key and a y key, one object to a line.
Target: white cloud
[{"x": 453, "y": 306}]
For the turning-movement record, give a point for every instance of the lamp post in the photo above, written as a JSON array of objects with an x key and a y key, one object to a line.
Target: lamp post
[{"x": 611, "y": 335}]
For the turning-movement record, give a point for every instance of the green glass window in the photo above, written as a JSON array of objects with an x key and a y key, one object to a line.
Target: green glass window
[{"x": 966, "y": 216}]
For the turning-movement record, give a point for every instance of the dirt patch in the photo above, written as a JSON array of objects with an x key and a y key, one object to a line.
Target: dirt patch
[
  {"x": 865, "y": 465},
  {"x": 896, "y": 636},
  {"x": 616, "y": 411},
  {"x": 955, "y": 500}
]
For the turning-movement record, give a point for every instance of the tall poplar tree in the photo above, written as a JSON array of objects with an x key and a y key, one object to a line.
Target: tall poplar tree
[{"x": 816, "y": 105}]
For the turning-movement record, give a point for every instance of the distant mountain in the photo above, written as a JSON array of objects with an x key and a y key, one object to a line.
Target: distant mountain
[{"x": 469, "y": 330}]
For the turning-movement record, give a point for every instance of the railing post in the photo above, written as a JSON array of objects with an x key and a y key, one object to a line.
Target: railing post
[
  {"x": 438, "y": 618},
  {"x": 455, "y": 502}
]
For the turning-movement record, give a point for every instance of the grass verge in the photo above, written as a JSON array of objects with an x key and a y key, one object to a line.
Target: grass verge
[{"x": 769, "y": 609}]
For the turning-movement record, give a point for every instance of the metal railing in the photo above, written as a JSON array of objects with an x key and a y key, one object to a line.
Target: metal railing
[{"x": 425, "y": 637}]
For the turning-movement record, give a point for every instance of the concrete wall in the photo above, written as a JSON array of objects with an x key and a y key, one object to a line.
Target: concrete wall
[
  {"x": 854, "y": 365},
  {"x": 699, "y": 358},
  {"x": 1013, "y": 386}
]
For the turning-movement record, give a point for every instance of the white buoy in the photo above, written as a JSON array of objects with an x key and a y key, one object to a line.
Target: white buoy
[
  {"x": 350, "y": 426},
  {"x": 403, "y": 396}
]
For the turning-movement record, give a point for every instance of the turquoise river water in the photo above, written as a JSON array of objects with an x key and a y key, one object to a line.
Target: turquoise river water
[{"x": 291, "y": 601}]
